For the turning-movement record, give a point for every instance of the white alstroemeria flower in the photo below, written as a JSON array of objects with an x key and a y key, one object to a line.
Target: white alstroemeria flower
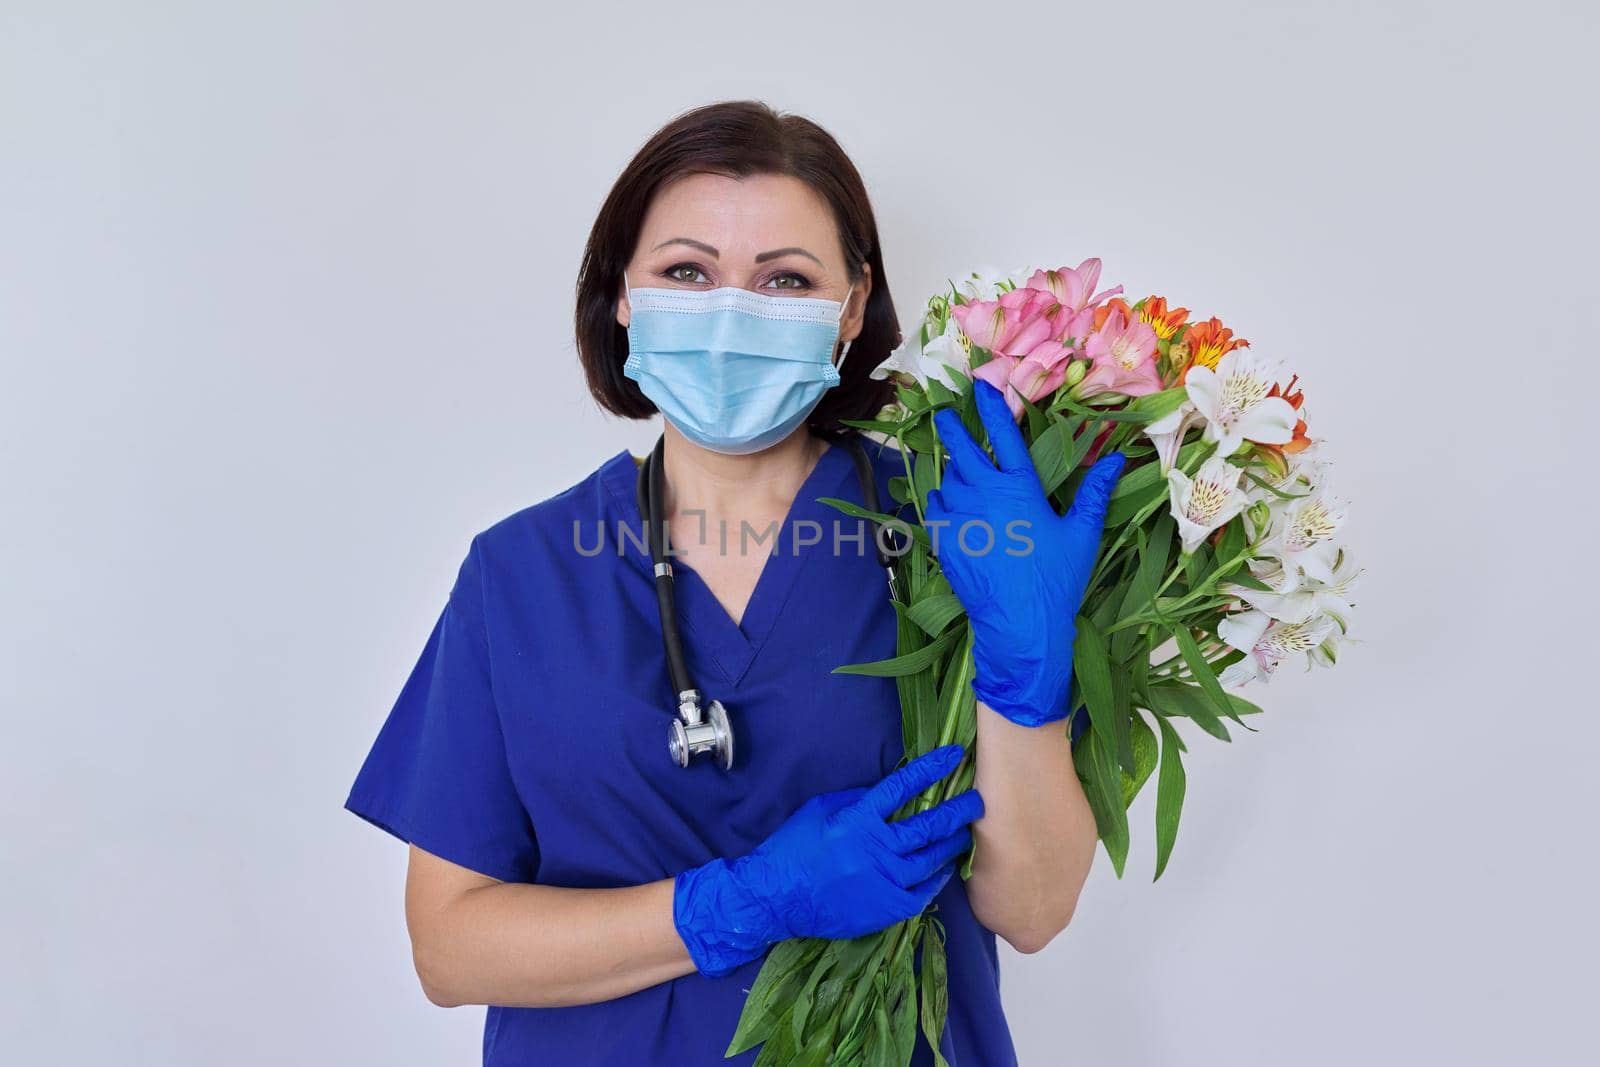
[
  {"x": 1302, "y": 539},
  {"x": 1233, "y": 398},
  {"x": 930, "y": 361},
  {"x": 1327, "y": 653},
  {"x": 985, "y": 282},
  {"x": 1166, "y": 433},
  {"x": 1207, "y": 501},
  {"x": 1309, "y": 597},
  {"x": 1266, "y": 643}
]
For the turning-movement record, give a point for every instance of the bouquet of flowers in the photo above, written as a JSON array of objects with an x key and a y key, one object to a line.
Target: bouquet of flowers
[{"x": 1220, "y": 561}]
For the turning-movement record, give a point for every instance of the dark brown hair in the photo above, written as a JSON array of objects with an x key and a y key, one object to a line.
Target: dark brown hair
[{"x": 736, "y": 138}]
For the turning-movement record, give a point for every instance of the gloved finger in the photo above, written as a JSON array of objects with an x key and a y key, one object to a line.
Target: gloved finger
[
  {"x": 922, "y": 894},
  {"x": 966, "y": 458},
  {"x": 956, "y": 496},
  {"x": 841, "y": 798},
  {"x": 1005, "y": 436},
  {"x": 937, "y": 822},
  {"x": 924, "y": 863},
  {"x": 1089, "y": 503},
  {"x": 900, "y": 786}
]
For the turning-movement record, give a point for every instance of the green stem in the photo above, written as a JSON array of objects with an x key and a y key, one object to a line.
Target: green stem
[
  {"x": 1214, "y": 578},
  {"x": 911, "y": 482}
]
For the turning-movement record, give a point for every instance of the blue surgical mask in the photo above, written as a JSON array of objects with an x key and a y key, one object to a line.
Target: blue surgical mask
[{"x": 734, "y": 371}]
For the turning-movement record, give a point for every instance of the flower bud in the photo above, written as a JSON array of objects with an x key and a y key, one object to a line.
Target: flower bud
[
  {"x": 1277, "y": 463},
  {"x": 1075, "y": 372},
  {"x": 1260, "y": 517}
]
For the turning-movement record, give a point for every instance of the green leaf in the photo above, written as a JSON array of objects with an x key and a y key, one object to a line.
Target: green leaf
[
  {"x": 780, "y": 977},
  {"x": 1153, "y": 406},
  {"x": 939, "y": 393},
  {"x": 778, "y": 1050},
  {"x": 882, "y": 426},
  {"x": 912, "y": 398},
  {"x": 1144, "y": 759},
  {"x": 934, "y": 988},
  {"x": 903, "y": 999},
  {"x": 1049, "y": 453},
  {"x": 817, "y": 1050},
  {"x": 1121, "y": 510},
  {"x": 1143, "y": 486},
  {"x": 880, "y": 1047},
  {"x": 910, "y": 663},
  {"x": 1201, "y": 670},
  {"x": 1118, "y": 415},
  {"x": 955, "y": 709},
  {"x": 1176, "y": 698},
  {"x": 917, "y": 532},
  {"x": 934, "y": 612},
  {"x": 1036, "y": 420},
  {"x": 916, "y": 691},
  {"x": 1091, "y": 667},
  {"x": 878, "y": 948},
  {"x": 800, "y": 1008},
  {"x": 1154, "y": 557},
  {"x": 1232, "y": 542},
  {"x": 1169, "y": 794},
  {"x": 1092, "y": 758},
  {"x": 919, "y": 434},
  {"x": 1249, "y": 581},
  {"x": 925, "y": 476}
]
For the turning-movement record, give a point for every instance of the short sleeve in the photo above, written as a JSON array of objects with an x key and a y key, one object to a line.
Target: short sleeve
[{"x": 437, "y": 775}]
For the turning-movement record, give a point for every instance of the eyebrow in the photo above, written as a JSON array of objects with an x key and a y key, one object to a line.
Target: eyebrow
[{"x": 761, "y": 257}]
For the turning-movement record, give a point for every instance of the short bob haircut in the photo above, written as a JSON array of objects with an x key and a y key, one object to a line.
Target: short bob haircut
[{"x": 736, "y": 138}]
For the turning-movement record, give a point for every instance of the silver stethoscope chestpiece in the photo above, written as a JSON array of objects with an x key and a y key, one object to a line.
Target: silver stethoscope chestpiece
[{"x": 695, "y": 734}]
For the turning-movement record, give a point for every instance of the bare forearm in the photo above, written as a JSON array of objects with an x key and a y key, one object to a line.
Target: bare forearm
[
  {"x": 1035, "y": 843},
  {"x": 520, "y": 945}
]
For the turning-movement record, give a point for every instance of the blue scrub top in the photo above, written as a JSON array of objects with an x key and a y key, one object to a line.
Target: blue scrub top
[{"x": 530, "y": 742}]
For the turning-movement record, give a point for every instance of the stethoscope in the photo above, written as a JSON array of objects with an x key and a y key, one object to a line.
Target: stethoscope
[{"x": 701, "y": 728}]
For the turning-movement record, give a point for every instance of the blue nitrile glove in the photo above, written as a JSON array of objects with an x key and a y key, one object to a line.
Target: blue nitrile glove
[
  {"x": 836, "y": 868},
  {"x": 1023, "y": 602}
]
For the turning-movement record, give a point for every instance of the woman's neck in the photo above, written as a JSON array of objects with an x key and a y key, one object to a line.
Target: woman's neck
[{"x": 714, "y": 487}]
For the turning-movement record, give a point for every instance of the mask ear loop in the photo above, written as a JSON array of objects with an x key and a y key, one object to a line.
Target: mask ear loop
[{"x": 845, "y": 351}]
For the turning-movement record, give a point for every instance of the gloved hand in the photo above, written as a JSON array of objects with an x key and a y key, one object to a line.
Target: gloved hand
[
  {"x": 1023, "y": 603},
  {"x": 836, "y": 868}
]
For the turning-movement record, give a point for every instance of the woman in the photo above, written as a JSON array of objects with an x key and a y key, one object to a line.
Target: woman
[{"x": 610, "y": 905}]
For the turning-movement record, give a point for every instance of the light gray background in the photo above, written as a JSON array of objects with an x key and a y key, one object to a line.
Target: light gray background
[{"x": 285, "y": 302}]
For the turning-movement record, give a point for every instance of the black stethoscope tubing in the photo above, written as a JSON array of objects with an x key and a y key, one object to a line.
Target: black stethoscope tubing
[{"x": 648, "y": 492}]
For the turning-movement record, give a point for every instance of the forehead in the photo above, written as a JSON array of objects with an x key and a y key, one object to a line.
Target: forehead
[{"x": 741, "y": 216}]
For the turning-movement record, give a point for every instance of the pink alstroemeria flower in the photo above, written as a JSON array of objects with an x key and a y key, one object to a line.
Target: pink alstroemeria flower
[
  {"x": 1072, "y": 285},
  {"x": 1033, "y": 331},
  {"x": 1036, "y": 375},
  {"x": 1022, "y": 331},
  {"x": 1124, "y": 355},
  {"x": 1014, "y": 324}
]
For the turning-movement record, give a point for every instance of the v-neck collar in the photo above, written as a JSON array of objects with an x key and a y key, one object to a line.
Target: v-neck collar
[{"x": 707, "y": 627}]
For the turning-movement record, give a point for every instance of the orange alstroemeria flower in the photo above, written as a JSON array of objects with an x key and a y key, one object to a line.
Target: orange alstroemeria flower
[
  {"x": 1103, "y": 312},
  {"x": 1163, "y": 321},
  {"x": 1299, "y": 442},
  {"x": 1208, "y": 342}
]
